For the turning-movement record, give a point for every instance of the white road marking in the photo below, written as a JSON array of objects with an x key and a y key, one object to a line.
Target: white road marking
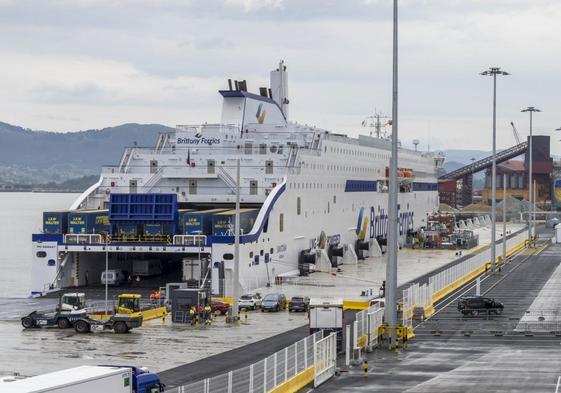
[{"x": 558, "y": 382}]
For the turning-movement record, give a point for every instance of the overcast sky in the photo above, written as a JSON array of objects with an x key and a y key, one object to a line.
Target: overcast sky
[{"x": 69, "y": 65}]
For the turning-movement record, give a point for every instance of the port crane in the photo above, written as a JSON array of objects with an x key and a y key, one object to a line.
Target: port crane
[{"x": 515, "y": 132}]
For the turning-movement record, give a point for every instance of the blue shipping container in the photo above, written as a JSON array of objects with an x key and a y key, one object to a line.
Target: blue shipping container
[
  {"x": 197, "y": 222},
  {"x": 143, "y": 207},
  {"x": 152, "y": 229},
  {"x": 88, "y": 221},
  {"x": 223, "y": 224},
  {"x": 55, "y": 222}
]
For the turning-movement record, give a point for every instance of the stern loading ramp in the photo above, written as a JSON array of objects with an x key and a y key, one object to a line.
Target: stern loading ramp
[
  {"x": 244, "y": 356},
  {"x": 447, "y": 182},
  {"x": 452, "y": 353}
]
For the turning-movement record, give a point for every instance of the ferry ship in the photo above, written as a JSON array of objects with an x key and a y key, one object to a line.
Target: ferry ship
[{"x": 310, "y": 199}]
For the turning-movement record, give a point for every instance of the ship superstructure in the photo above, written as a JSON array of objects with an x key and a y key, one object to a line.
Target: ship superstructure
[{"x": 308, "y": 196}]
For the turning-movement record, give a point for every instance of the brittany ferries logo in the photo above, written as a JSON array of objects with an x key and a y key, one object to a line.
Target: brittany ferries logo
[
  {"x": 198, "y": 140},
  {"x": 377, "y": 223}
]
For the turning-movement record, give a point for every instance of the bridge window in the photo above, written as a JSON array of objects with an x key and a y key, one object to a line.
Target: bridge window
[
  {"x": 281, "y": 224},
  {"x": 298, "y": 206}
]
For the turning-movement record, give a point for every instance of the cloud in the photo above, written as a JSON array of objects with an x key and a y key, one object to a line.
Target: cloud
[{"x": 145, "y": 60}]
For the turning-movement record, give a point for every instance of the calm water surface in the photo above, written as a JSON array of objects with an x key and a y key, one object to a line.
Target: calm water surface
[{"x": 20, "y": 216}]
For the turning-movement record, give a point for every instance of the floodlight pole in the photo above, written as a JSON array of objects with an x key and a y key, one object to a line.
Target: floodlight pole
[
  {"x": 530, "y": 109},
  {"x": 236, "y": 272},
  {"x": 504, "y": 218},
  {"x": 494, "y": 71},
  {"x": 392, "y": 237}
]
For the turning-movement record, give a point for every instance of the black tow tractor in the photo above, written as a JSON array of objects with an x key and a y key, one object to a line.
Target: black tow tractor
[
  {"x": 119, "y": 323},
  {"x": 57, "y": 319},
  {"x": 70, "y": 308}
]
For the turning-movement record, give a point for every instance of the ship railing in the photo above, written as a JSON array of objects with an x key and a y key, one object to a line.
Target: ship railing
[
  {"x": 134, "y": 238},
  {"x": 83, "y": 239},
  {"x": 207, "y": 127},
  {"x": 189, "y": 240}
]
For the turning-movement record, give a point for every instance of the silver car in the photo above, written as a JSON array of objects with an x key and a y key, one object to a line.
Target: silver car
[{"x": 249, "y": 301}]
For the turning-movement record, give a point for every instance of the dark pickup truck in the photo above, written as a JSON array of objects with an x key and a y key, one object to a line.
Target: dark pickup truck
[{"x": 475, "y": 305}]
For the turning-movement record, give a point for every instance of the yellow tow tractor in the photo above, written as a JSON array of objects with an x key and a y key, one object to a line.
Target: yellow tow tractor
[{"x": 130, "y": 303}]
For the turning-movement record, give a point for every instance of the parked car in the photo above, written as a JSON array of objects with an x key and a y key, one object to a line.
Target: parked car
[
  {"x": 552, "y": 222},
  {"x": 274, "y": 302},
  {"x": 220, "y": 307},
  {"x": 474, "y": 305},
  {"x": 299, "y": 303},
  {"x": 250, "y": 301},
  {"x": 113, "y": 277}
]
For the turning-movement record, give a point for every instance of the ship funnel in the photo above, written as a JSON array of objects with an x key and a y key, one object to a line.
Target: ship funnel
[{"x": 279, "y": 87}]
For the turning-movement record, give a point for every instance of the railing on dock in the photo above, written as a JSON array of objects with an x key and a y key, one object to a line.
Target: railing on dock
[{"x": 311, "y": 359}]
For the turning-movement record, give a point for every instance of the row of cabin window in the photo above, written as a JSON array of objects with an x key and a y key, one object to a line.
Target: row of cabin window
[
  {"x": 248, "y": 148},
  {"x": 342, "y": 168},
  {"x": 340, "y": 150},
  {"x": 318, "y": 186}
]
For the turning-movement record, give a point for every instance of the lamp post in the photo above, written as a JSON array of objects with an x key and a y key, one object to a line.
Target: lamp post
[
  {"x": 494, "y": 71},
  {"x": 392, "y": 238},
  {"x": 530, "y": 109},
  {"x": 106, "y": 236}
]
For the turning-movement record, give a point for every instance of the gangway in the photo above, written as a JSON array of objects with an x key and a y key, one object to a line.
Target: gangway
[
  {"x": 486, "y": 162},
  {"x": 448, "y": 182}
]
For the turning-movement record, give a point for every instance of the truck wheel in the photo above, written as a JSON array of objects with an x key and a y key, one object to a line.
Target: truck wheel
[
  {"x": 27, "y": 323},
  {"x": 82, "y": 327},
  {"x": 120, "y": 328},
  {"x": 63, "y": 323}
]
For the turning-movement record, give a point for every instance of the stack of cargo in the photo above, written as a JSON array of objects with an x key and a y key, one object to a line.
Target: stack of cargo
[
  {"x": 223, "y": 223},
  {"x": 197, "y": 222},
  {"x": 88, "y": 221},
  {"x": 143, "y": 217},
  {"x": 55, "y": 222}
]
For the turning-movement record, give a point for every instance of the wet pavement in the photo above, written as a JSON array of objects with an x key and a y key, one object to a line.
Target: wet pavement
[
  {"x": 155, "y": 345},
  {"x": 160, "y": 346},
  {"x": 452, "y": 353}
]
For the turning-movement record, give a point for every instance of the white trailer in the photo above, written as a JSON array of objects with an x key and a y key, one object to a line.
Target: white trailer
[
  {"x": 146, "y": 267},
  {"x": 326, "y": 314},
  {"x": 83, "y": 379}
]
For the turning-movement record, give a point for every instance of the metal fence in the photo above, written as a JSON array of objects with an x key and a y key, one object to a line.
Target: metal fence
[
  {"x": 375, "y": 316},
  {"x": 366, "y": 327},
  {"x": 325, "y": 359},
  {"x": 265, "y": 375}
]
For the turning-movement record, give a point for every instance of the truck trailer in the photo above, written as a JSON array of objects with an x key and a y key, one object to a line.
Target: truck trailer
[{"x": 87, "y": 379}]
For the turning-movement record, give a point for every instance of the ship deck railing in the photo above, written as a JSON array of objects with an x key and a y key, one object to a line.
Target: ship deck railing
[
  {"x": 189, "y": 240},
  {"x": 84, "y": 239},
  {"x": 135, "y": 238}
]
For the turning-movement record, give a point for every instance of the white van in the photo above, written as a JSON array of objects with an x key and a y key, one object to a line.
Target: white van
[{"x": 113, "y": 277}]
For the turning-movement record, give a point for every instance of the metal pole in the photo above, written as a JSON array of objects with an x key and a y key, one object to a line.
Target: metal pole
[
  {"x": 236, "y": 272},
  {"x": 534, "y": 210},
  {"x": 106, "y": 269},
  {"x": 391, "y": 268},
  {"x": 494, "y": 178},
  {"x": 504, "y": 218},
  {"x": 530, "y": 195}
]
